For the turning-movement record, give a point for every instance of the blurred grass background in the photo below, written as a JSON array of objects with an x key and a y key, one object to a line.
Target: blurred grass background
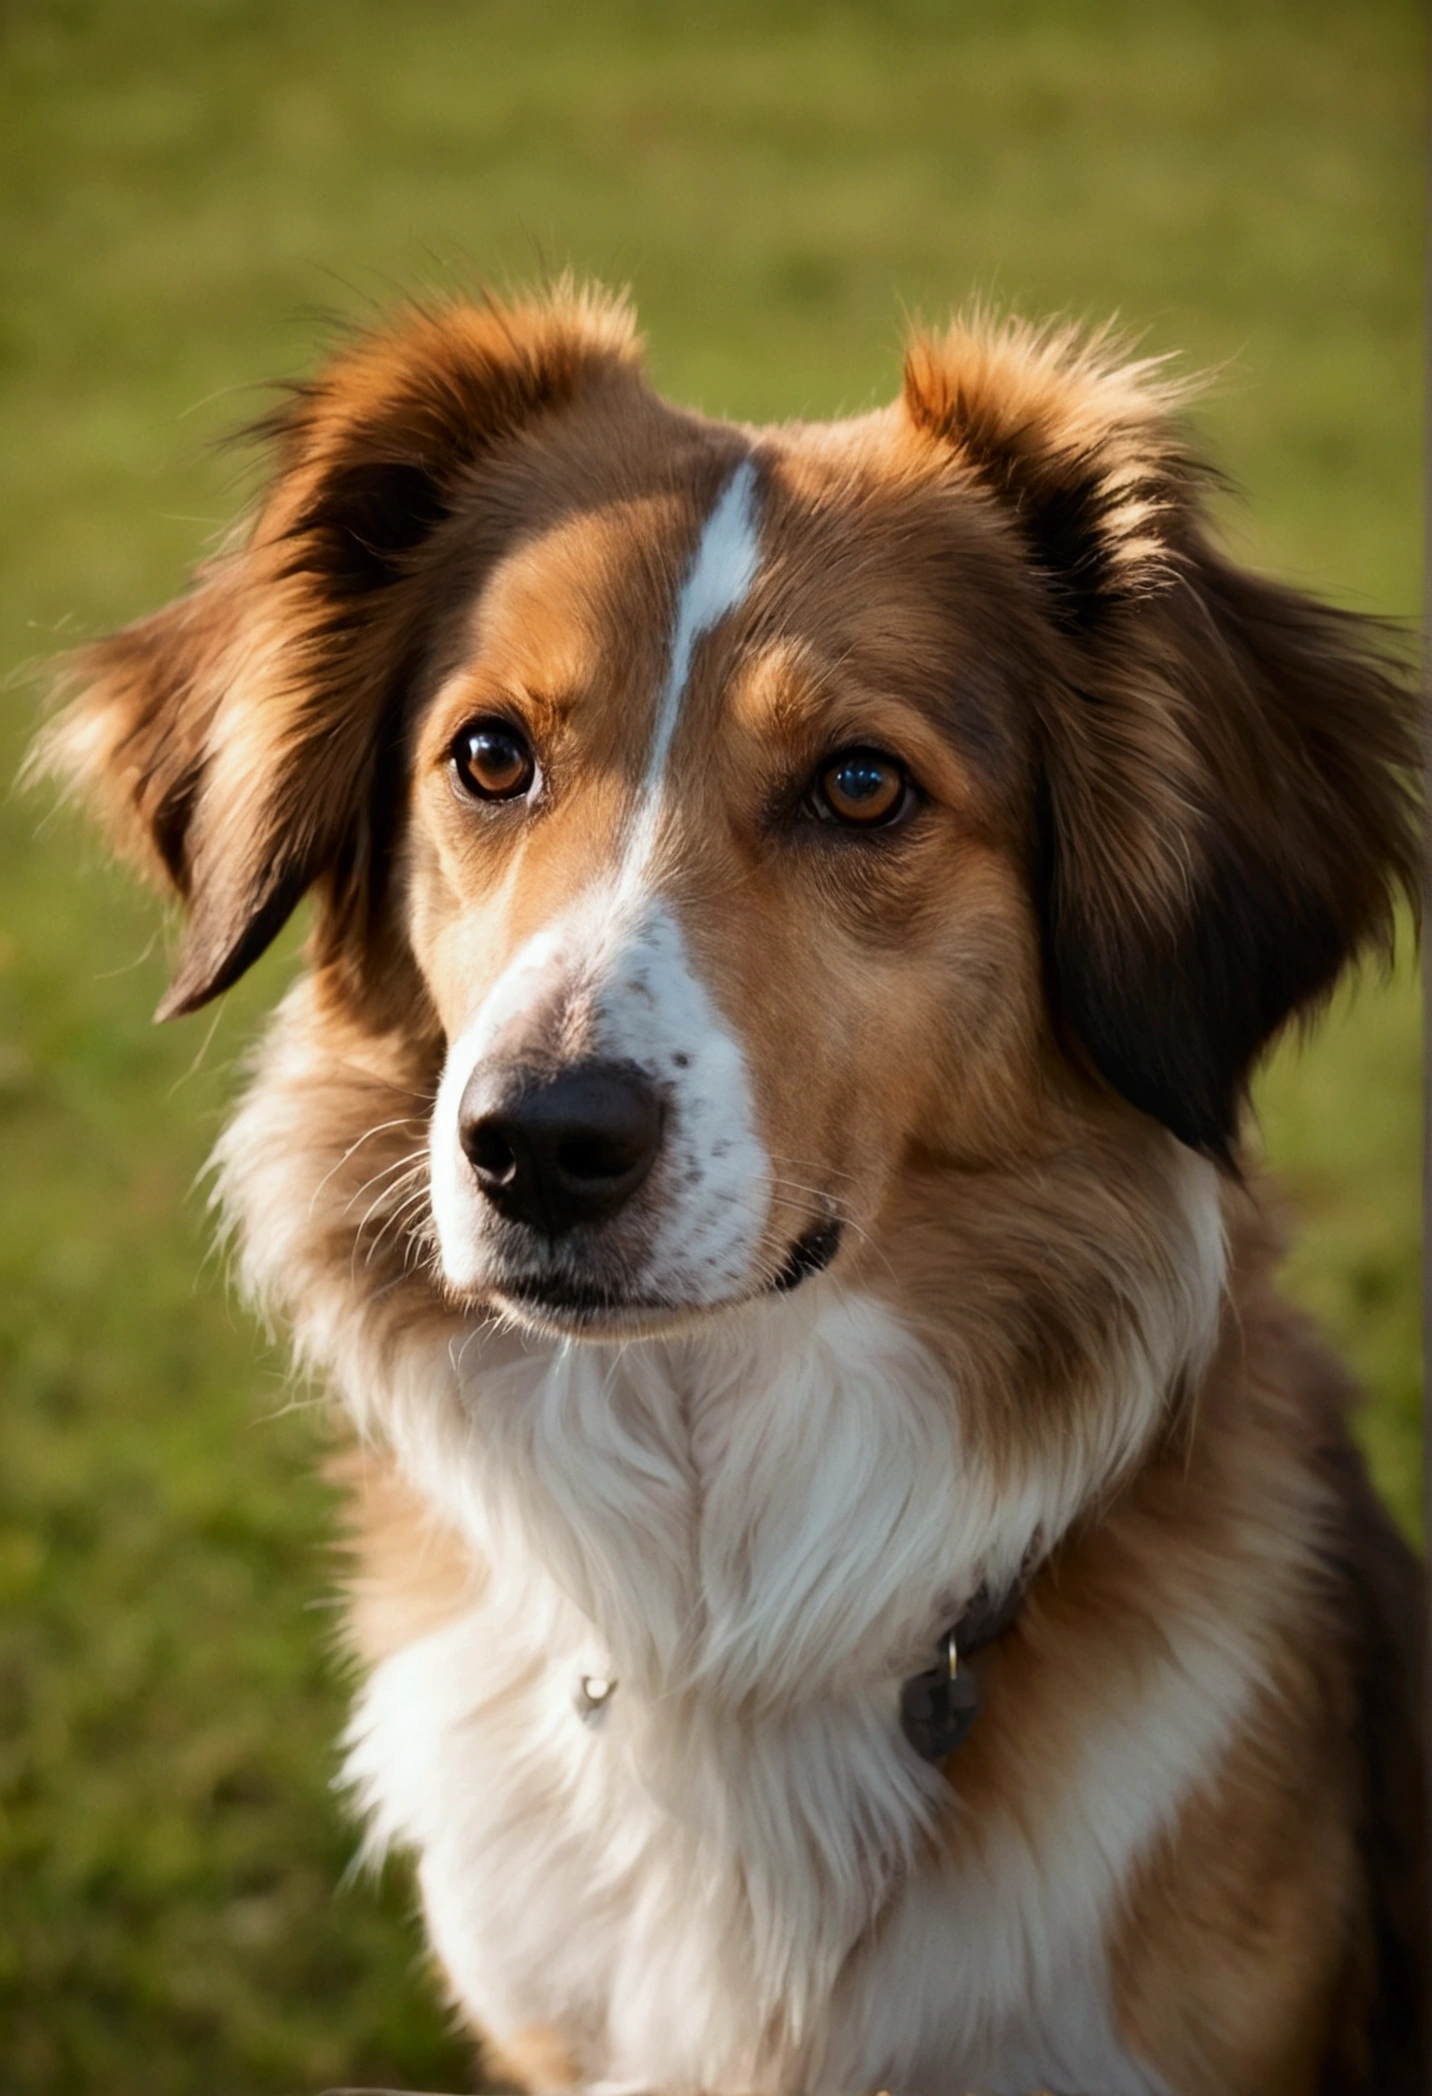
[{"x": 185, "y": 184}]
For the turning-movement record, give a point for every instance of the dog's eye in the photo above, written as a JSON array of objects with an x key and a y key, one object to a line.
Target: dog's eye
[
  {"x": 493, "y": 761},
  {"x": 864, "y": 789}
]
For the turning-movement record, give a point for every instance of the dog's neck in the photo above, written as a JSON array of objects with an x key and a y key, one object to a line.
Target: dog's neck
[
  {"x": 778, "y": 1510},
  {"x": 793, "y": 1502},
  {"x": 781, "y": 1511}
]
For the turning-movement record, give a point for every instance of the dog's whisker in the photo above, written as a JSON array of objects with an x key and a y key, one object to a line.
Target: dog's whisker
[
  {"x": 812, "y": 1164},
  {"x": 391, "y": 1201},
  {"x": 399, "y": 1173},
  {"x": 413, "y": 1164},
  {"x": 394, "y": 1222},
  {"x": 368, "y": 1135}
]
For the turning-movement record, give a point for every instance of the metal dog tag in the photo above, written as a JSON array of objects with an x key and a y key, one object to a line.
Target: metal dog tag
[
  {"x": 938, "y": 1707},
  {"x": 594, "y": 1692}
]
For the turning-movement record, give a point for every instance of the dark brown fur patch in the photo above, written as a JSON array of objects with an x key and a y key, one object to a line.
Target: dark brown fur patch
[
  {"x": 1275, "y": 1944},
  {"x": 1226, "y": 813},
  {"x": 1380, "y": 2023}
]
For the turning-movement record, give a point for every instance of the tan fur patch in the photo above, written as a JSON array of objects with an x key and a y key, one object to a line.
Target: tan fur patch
[{"x": 412, "y": 1573}]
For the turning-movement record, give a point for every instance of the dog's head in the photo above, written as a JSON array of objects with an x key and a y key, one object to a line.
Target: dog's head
[{"x": 755, "y": 824}]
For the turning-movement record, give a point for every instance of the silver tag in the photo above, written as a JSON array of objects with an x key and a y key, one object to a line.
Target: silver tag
[{"x": 594, "y": 1692}]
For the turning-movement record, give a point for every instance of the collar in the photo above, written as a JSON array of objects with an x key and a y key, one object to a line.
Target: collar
[{"x": 938, "y": 1707}]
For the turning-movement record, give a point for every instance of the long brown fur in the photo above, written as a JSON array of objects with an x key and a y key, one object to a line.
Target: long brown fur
[{"x": 1178, "y": 807}]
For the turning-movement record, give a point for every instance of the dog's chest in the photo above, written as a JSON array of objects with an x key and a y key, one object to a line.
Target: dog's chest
[
  {"x": 685, "y": 1864},
  {"x": 676, "y": 1884},
  {"x": 693, "y": 1902},
  {"x": 731, "y": 1871}
]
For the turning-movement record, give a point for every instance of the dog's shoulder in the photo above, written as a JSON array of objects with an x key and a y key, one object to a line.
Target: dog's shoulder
[
  {"x": 1381, "y": 2029},
  {"x": 1294, "y": 1881}
]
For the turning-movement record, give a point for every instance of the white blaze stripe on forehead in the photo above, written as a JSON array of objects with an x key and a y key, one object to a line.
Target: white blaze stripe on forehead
[{"x": 723, "y": 567}]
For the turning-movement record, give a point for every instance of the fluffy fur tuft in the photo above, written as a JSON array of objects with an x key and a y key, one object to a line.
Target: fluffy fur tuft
[{"x": 1227, "y": 812}]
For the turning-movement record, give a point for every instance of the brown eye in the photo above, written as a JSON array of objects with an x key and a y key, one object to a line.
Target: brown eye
[
  {"x": 493, "y": 761},
  {"x": 864, "y": 788}
]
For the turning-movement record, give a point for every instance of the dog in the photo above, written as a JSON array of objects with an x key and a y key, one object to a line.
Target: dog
[{"x": 861, "y": 1582}]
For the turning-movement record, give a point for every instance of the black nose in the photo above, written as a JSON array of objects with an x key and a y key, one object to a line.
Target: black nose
[{"x": 563, "y": 1150}]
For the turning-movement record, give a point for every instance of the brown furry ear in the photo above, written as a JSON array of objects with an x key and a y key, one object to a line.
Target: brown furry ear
[
  {"x": 235, "y": 741},
  {"x": 1226, "y": 803}
]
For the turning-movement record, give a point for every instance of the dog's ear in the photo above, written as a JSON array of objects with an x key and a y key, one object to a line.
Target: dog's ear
[
  {"x": 244, "y": 743},
  {"x": 1226, "y": 811}
]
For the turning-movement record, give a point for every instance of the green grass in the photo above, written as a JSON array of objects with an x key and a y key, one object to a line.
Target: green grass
[{"x": 185, "y": 183}]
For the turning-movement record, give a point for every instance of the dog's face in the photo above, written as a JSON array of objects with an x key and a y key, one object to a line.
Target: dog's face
[
  {"x": 758, "y": 825},
  {"x": 713, "y": 870}
]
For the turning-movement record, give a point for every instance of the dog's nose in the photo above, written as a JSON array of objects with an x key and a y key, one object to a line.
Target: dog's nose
[{"x": 567, "y": 1150}]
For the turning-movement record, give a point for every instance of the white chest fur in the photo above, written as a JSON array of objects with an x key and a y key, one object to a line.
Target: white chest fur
[{"x": 758, "y": 1544}]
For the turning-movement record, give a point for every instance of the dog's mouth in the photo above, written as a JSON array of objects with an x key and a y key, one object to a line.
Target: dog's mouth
[
  {"x": 575, "y": 1308},
  {"x": 810, "y": 1254},
  {"x": 554, "y": 1303}
]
